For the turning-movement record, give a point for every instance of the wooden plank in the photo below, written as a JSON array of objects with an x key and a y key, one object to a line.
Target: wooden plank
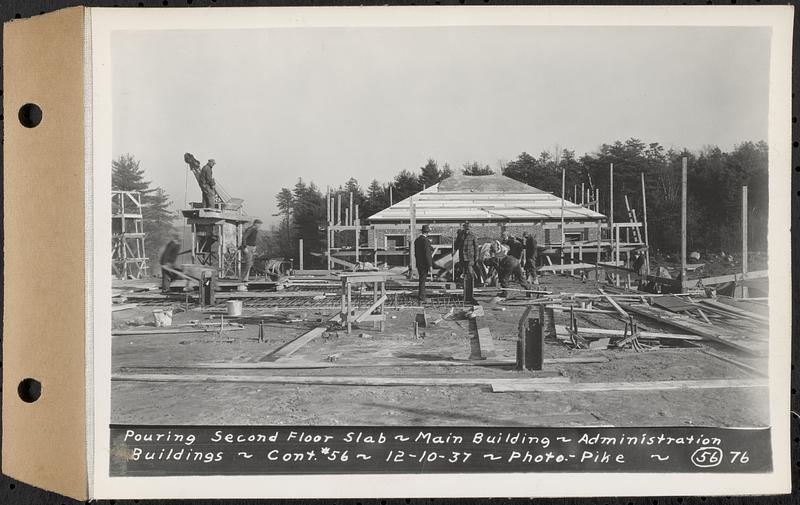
[
  {"x": 123, "y": 306},
  {"x": 341, "y": 262},
  {"x": 561, "y": 329},
  {"x": 294, "y": 345},
  {"x": 521, "y": 387},
  {"x": 735, "y": 310},
  {"x": 340, "y": 380},
  {"x": 732, "y": 361},
  {"x": 484, "y": 335},
  {"x": 169, "y": 331},
  {"x": 721, "y": 279},
  {"x": 568, "y": 266},
  {"x": 290, "y": 365},
  {"x": 380, "y": 301},
  {"x": 614, "y": 304},
  {"x": 276, "y": 294},
  {"x": 705, "y": 331}
]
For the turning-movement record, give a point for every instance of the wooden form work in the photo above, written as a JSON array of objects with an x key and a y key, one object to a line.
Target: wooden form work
[{"x": 375, "y": 312}]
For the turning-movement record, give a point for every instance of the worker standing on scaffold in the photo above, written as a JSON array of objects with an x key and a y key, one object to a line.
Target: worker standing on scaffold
[{"x": 207, "y": 184}]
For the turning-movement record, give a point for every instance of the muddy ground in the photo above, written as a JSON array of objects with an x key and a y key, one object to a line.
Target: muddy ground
[{"x": 292, "y": 404}]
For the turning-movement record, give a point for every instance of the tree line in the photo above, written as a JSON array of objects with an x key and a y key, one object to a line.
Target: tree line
[
  {"x": 714, "y": 187},
  {"x": 715, "y": 179}
]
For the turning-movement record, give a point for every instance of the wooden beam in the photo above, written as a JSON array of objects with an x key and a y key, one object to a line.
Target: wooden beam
[
  {"x": 744, "y": 366},
  {"x": 291, "y": 365},
  {"x": 735, "y": 310},
  {"x": 548, "y": 377},
  {"x": 684, "y": 163},
  {"x": 614, "y": 304},
  {"x": 372, "y": 307},
  {"x": 521, "y": 387},
  {"x": 561, "y": 329},
  {"x": 293, "y": 346},
  {"x": 744, "y": 238},
  {"x": 169, "y": 330},
  {"x": 644, "y": 218},
  {"x": 721, "y": 279},
  {"x": 484, "y": 337},
  {"x": 707, "y": 332}
]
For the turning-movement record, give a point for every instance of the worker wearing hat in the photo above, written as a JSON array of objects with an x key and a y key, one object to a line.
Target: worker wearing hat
[
  {"x": 467, "y": 246},
  {"x": 423, "y": 253},
  {"x": 207, "y": 184},
  {"x": 249, "y": 240}
]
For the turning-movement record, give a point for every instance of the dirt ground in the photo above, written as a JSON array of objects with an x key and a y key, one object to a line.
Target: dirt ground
[{"x": 293, "y": 404}]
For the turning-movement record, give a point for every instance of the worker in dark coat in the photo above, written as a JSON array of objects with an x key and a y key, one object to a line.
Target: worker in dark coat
[
  {"x": 168, "y": 259},
  {"x": 530, "y": 255},
  {"x": 509, "y": 267},
  {"x": 207, "y": 184},
  {"x": 423, "y": 254},
  {"x": 249, "y": 242},
  {"x": 515, "y": 246},
  {"x": 468, "y": 254}
]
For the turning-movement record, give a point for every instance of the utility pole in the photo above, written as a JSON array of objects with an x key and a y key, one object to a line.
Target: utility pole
[
  {"x": 745, "y": 291},
  {"x": 685, "y": 162}
]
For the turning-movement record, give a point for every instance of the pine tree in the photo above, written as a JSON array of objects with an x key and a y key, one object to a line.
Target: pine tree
[{"x": 158, "y": 220}]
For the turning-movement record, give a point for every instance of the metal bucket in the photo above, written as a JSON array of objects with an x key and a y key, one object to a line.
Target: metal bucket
[
  {"x": 162, "y": 317},
  {"x": 234, "y": 307}
]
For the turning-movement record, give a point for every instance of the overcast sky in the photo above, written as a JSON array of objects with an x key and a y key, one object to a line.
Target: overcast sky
[{"x": 326, "y": 104}]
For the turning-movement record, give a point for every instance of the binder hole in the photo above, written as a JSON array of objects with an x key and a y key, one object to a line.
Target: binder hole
[
  {"x": 29, "y": 390},
  {"x": 30, "y": 115}
]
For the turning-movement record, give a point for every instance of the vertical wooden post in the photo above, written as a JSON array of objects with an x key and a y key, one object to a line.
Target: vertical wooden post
[
  {"x": 374, "y": 246},
  {"x": 328, "y": 206},
  {"x": 745, "y": 292},
  {"x": 453, "y": 262},
  {"x": 616, "y": 254},
  {"x": 358, "y": 233},
  {"x": 597, "y": 199},
  {"x": 391, "y": 202},
  {"x": 301, "y": 254},
  {"x": 644, "y": 218},
  {"x": 338, "y": 208},
  {"x": 574, "y": 193},
  {"x": 583, "y": 194},
  {"x": 346, "y": 217},
  {"x": 563, "y": 183},
  {"x": 597, "y": 260},
  {"x": 412, "y": 261},
  {"x": 684, "y": 163},
  {"x": 350, "y": 223},
  {"x": 329, "y": 244},
  {"x": 611, "y": 196}
]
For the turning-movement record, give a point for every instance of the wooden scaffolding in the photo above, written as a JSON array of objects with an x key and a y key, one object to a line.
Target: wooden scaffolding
[
  {"x": 217, "y": 237},
  {"x": 129, "y": 260}
]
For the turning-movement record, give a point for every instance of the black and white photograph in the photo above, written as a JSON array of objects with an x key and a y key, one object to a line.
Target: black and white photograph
[{"x": 453, "y": 246}]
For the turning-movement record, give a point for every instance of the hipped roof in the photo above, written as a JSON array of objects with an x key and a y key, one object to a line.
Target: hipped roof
[{"x": 494, "y": 198}]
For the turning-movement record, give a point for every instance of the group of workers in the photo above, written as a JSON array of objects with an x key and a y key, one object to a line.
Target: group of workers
[
  {"x": 170, "y": 270},
  {"x": 515, "y": 259}
]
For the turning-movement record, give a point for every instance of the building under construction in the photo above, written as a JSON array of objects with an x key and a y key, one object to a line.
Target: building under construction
[{"x": 301, "y": 348}]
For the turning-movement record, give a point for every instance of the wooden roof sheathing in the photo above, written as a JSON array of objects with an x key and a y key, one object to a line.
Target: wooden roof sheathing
[{"x": 484, "y": 198}]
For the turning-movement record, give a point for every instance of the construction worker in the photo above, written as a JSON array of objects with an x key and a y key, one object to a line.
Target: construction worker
[
  {"x": 515, "y": 246},
  {"x": 207, "y": 184},
  {"x": 249, "y": 241},
  {"x": 423, "y": 253},
  {"x": 530, "y": 255},
  {"x": 640, "y": 264},
  {"x": 168, "y": 261},
  {"x": 468, "y": 253},
  {"x": 507, "y": 267}
]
